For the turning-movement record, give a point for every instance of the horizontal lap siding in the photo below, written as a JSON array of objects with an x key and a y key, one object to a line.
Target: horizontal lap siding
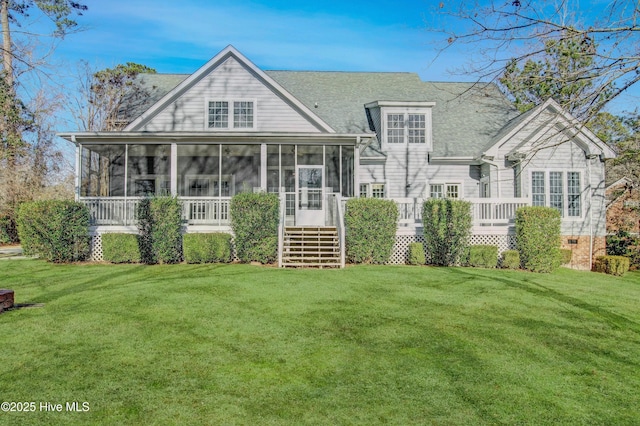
[
  {"x": 468, "y": 176},
  {"x": 405, "y": 170},
  {"x": 230, "y": 81},
  {"x": 566, "y": 157}
]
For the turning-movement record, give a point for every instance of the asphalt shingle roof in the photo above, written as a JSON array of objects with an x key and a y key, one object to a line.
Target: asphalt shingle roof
[{"x": 467, "y": 117}]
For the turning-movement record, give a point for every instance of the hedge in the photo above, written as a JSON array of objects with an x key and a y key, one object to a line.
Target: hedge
[
  {"x": 8, "y": 231},
  {"x": 120, "y": 248},
  {"x": 55, "y": 230},
  {"x": 612, "y": 265},
  {"x": 565, "y": 256},
  {"x": 447, "y": 228},
  {"x": 538, "y": 238},
  {"x": 624, "y": 244},
  {"x": 511, "y": 259},
  {"x": 160, "y": 226},
  {"x": 371, "y": 225},
  {"x": 483, "y": 256},
  {"x": 416, "y": 254},
  {"x": 254, "y": 220},
  {"x": 207, "y": 248}
]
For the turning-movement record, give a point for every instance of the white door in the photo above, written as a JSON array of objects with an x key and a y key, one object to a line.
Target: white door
[{"x": 309, "y": 196}]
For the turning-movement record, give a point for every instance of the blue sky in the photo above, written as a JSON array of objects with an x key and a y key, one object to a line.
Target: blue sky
[{"x": 180, "y": 36}]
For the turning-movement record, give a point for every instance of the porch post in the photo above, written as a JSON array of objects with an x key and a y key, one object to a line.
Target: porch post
[
  {"x": 356, "y": 168},
  {"x": 78, "y": 170},
  {"x": 263, "y": 167},
  {"x": 174, "y": 169}
]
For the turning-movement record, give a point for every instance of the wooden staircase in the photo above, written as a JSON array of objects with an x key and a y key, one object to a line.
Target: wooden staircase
[{"x": 317, "y": 246}]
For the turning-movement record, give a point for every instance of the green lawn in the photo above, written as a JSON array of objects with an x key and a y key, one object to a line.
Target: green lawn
[{"x": 240, "y": 344}]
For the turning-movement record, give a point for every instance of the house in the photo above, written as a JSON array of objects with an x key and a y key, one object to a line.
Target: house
[
  {"x": 623, "y": 207},
  {"x": 318, "y": 138}
]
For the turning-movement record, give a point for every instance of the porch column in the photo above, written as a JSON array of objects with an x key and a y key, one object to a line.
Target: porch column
[
  {"x": 263, "y": 167},
  {"x": 356, "y": 168},
  {"x": 78, "y": 170},
  {"x": 174, "y": 169}
]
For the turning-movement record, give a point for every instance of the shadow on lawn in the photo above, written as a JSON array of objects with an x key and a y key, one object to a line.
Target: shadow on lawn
[{"x": 615, "y": 321}]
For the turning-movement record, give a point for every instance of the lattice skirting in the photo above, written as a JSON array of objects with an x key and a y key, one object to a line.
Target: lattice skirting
[
  {"x": 400, "y": 254},
  {"x": 95, "y": 253}
]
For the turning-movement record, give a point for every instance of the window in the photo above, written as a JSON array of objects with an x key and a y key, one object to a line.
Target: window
[
  {"x": 395, "y": 128},
  {"x": 372, "y": 190},
  {"x": 407, "y": 127},
  {"x": 573, "y": 192},
  {"x": 555, "y": 191},
  {"x": 218, "y": 114},
  {"x": 441, "y": 190},
  {"x": 562, "y": 194},
  {"x": 240, "y": 117},
  {"x": 537, "y": 189},
  {"x": 416, "y": 125},
  {"x": 435, "y": 191}
]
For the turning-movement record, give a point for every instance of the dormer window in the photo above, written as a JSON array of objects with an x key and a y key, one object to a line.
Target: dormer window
[
  {"x": 403, "y": 128},
  {"x": 403, "y": 122},
  {"x": 231, "y": 114}
]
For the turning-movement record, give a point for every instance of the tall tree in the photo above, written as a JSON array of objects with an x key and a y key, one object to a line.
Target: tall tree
[
  {"x": 15, "y": 119},
  {"x": 517, "y": 31},
  {"x": 562, "y": 71},
  {"x": 103, "y": 96}
]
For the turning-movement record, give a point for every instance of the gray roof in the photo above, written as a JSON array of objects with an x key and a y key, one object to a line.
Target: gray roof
[{"x": 467, "y": 117}]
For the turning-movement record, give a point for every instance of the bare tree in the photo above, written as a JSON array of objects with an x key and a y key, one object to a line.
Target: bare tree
[
  {"x": 517, "y": 31},
  {"x": 103, "y": 96}
]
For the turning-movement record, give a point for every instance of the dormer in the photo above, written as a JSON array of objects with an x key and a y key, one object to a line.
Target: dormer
[{"x": 402, "y": 123}]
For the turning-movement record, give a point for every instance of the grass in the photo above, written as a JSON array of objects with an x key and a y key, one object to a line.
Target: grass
[{"x": 241, "y": 344}]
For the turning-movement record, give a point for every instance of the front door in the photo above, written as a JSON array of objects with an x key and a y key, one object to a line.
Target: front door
[{"x": 309, "y": 196}]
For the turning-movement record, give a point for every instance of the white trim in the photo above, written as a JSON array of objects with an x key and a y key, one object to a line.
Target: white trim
[
  {"x": 230, "y": 115},
  {"x": 406, "y": 111},
  {"x": 205, "y": 70},
  {"x": 565, "y": 190},
  {"x": 444, "y": 188}
]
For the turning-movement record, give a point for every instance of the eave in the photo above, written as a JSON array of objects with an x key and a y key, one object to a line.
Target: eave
[{"x": 210, "y": 137}]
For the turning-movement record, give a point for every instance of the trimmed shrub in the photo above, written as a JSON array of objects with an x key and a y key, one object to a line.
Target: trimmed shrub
[
  {"x": 483, "y": 256},
  {"x": 511, "y": 259},
  {"x": 120, "y": 248},
  {"x": 447, "y": 228},
  {"x": 416, "y": 254},
  {"x": 625, "y": 244},
  {"x": 371, "y": 225},
  {"x": 538, "y": 238},
  {"x": 254, "y": 219},
  {"x": 565, "y": 256},
  {"x": 8, "y": 231},
  {"x": 612, "y": 265},
  {"x": 160, "y": 226},
  {"x": 55, "y": 230},
  {"x": 166, "y": 234},
  {"x": 145, "y": 228},
  {"x": 206, "y": 248}
]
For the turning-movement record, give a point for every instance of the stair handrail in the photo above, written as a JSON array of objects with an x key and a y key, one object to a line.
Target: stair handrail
[
  {"x": 281, "y": 223},
  {"x": 340, "y": 227}
]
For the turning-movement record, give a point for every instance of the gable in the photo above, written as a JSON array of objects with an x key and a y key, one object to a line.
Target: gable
[
  {"x": 228, "y": 77},
  {"x": 545, "y": 128}
]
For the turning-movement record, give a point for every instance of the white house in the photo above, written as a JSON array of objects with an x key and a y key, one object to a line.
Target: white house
[{"x": 318, "y": 138}]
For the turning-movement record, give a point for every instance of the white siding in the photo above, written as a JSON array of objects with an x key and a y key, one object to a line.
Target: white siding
[
  {"x": 466, "y": 175},
  {"x": 229, "y": 81}
]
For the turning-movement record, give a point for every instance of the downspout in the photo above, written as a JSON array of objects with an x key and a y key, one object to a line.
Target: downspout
[{"x": 589, "y": 158}]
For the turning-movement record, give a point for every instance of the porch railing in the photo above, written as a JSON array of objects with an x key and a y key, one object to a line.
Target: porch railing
[
  {"x": 112, "y": 210},
  {"x": 123, "y": 210},
  {"x": 485, "y": 212}
]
